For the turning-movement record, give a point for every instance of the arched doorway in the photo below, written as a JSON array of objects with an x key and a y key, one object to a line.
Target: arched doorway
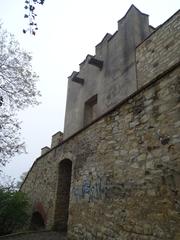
[
  {"x": 63, "y": 195},
  {"x": 37, "y": 222}
]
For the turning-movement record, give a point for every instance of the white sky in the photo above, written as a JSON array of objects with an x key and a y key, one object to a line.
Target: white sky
[{"x": 68, "y": 31}]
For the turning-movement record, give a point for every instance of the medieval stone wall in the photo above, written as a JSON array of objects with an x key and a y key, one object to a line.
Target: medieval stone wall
[
  {"x": 40, "y": 186},
  {"x": 160, "y": 51},
  {"x": 125, "y": 165},
  {"x": 125, "y": 170}
]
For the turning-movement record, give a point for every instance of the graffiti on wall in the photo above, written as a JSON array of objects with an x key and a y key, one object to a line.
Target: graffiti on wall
[{"x": 91, "y": 188}]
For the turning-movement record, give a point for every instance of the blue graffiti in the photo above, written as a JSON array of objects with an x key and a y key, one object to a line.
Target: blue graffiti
[{"x": 92, "y": 188}]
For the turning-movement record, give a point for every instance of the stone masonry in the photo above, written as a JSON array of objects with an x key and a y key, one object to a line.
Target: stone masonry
[{"x": 118, "y": 177}]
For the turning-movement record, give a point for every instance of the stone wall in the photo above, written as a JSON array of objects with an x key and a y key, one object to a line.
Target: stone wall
[
  {"x": 125, "y": 165},
  {"x": 40, "y": 185},
  {"x": 126, "y": 173},
  {"x": 125, "y": 170},
  {"x": 159, "y": 51}
]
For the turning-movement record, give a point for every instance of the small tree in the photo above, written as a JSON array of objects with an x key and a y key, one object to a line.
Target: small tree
[
  {"x": 13, "y": 211},
  {"x": 14, "y": 207},
  {"x": 17, "y": 91}
]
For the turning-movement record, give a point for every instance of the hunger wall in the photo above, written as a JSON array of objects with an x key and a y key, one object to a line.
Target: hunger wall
[{"x": 125, "y": 165}]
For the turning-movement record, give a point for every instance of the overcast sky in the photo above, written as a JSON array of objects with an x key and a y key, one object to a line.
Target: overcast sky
[{"x": 68, "y": 31}]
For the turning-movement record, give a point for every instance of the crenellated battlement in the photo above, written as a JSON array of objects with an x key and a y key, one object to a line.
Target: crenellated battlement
[{"x": 110, "y": 74}]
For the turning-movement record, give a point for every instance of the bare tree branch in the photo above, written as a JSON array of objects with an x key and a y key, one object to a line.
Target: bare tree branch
[{"x": 30, "y": 15}]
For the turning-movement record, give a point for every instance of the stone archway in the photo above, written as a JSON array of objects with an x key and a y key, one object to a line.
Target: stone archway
[
  {"x": 37, "y": 222},
  {"x": 63, "y": 195}
]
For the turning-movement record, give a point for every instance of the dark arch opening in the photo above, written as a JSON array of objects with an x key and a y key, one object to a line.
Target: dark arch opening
[
  {"x": 37, "y": 222},
  {"x": 63, "y": 195}
]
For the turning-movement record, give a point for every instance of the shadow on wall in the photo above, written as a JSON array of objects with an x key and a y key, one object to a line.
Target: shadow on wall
[
  {"x": 37, "y": 222},
  {"x": 63, "y": 194}
]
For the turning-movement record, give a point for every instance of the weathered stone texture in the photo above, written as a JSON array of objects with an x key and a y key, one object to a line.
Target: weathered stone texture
[
  {"x": 125, "y": 181},
  {"x": 160, "y": 51},
  {"x": 126, "y": 174},
  {"x": 40, "y": 186},
  {"x": 56, "y": 139}
]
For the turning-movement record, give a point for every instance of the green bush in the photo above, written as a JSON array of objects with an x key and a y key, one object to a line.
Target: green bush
[{"x": 13, "y": 211}]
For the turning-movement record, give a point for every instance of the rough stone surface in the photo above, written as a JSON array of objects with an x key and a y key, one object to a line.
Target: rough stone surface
[
  {"x": 125, "y": 181},
  {"x": 56, "y": 139},
  {"x": 125, "y": 165},
  {"x": 160, "y": 51}
]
